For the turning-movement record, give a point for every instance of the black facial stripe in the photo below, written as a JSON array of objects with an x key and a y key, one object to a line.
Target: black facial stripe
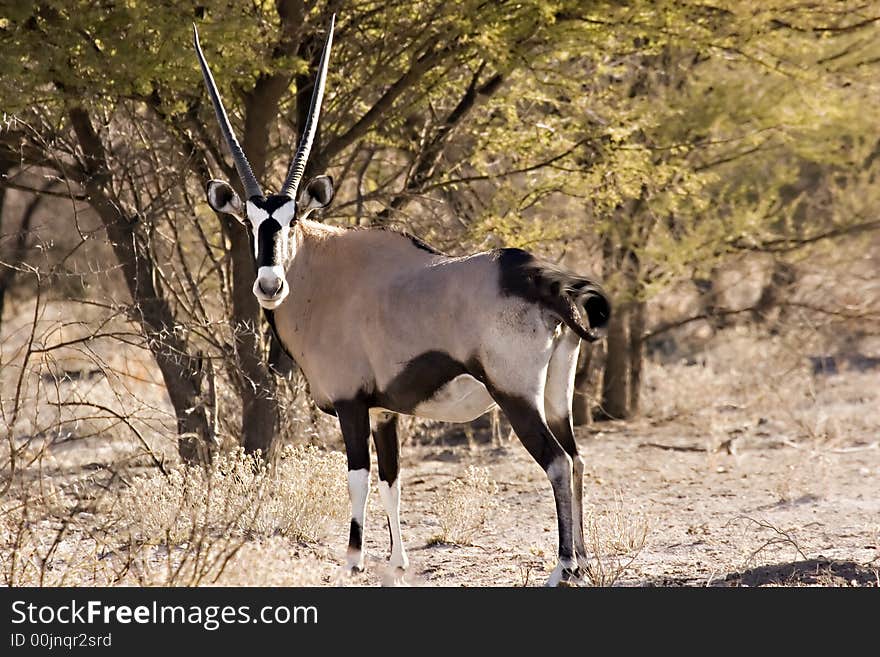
[{"x": 268, "y": 243}]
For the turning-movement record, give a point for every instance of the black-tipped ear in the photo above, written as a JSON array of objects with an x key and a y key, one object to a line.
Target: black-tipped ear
[
  {"x": 222, "y": 198},
  {"x": 317, "y": 195}
]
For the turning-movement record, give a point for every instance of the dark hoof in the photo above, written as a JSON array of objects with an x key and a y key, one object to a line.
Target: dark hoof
[
  {"x": 567, "y": 577},
  {"x": 572, "y": 577}
]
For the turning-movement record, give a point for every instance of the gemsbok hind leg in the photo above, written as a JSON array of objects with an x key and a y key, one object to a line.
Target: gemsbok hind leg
[
  {"x": 384, "y": 427},
  {"x": 526, "y": 416},
  {"x": 557, "y": 408},
  {"x": 354, "y": 420},
  {"x": 515, "y": 372}
]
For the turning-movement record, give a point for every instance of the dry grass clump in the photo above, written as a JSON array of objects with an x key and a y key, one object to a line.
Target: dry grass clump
[
  {"x": 737, "y": 371},
  {"x": 187, "y": 527},
  {"x": 238, "y": 494},
  {"x": 464, "y": 506},
  {"x": 615, "y": 535}
]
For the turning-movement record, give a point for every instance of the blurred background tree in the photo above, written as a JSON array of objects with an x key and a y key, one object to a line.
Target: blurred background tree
[{"x": 656, "y": 144}]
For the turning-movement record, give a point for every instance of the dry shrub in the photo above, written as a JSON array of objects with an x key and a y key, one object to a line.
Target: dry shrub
[
  {"x": 463, "y": 508},
  {"x": 42, "y": 543},
  {"x": 762, "y": 541},
  {"x": 615, "y": 535},
  {"x": 224, "y": 525},
  {"x": 238, "y": 494}
]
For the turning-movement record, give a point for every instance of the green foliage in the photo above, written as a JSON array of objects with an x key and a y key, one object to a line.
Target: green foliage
[{"x": 676, "y": 132}]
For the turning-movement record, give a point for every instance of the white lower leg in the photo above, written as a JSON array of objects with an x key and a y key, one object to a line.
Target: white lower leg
[
  {"x": 390, "y": 495},
  {"x": 358, "y": 491}
]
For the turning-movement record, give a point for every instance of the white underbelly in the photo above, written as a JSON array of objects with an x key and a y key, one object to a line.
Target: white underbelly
[{"x": 461, "y": 400}]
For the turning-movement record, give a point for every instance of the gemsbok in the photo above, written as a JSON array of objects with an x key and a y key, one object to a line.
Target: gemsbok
[{"x": 380, "y": 323}]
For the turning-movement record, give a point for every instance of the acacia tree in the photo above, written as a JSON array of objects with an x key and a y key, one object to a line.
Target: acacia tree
[
  {"x": 108, "y": 99},
  {"x": 729, "y": 142},
  {"x": 684, "y": 135}
]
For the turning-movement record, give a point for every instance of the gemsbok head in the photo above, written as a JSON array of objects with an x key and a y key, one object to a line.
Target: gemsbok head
[
  {"x": 381, "y": 324},
  {"x": 270, "y": 217}
]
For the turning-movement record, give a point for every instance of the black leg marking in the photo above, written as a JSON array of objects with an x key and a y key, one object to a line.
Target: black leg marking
[
  {"x": 562, "y": 431},
  {"x": 388, "y": 457},
  {"x": 355, "y": 536},
  {"x": 354, "y": 421},
  {"x": 532, "y": 431},
  {"x": 557, "y": 405},
  {"x": 387, "y": 449}
]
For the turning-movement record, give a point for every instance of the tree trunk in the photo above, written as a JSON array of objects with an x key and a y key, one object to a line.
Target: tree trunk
[
  {"x": 254, "y": 382},
  {"x": 710, "y": 301},
  {"x": 5, "y": 167},
  {"x": 581, "y": 402},
  {"x": 783, "y": 276},
  {"x": 181, "y": 372},
  {"x": 615, "y": 380},
  {"x": 20, "y": 248},
  {"x": 622, "y": 378},
  {"x": 260, "y": 416},
  {"x": 636, "y": 354}
]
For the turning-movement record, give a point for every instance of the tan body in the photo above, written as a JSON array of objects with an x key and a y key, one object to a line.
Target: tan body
[{"x": 367, "y": 302}]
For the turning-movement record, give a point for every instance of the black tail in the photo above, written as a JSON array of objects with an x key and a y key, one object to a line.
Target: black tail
[{"x": 565, "y": 294}]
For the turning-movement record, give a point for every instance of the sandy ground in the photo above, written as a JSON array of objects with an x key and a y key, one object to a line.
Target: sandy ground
[
  {"x": 767, "y": 513},
  {"x": 744, "y": 471},
  {"x": 755, "y": 511}
]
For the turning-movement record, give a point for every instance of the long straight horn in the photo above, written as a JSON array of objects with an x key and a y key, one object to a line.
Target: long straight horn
[
  {"x": 248, "y": 180},
  {"x": 298, "y": 164}
]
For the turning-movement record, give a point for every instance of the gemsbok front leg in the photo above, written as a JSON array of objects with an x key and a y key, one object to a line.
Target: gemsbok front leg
[
  {"x": 388, "y": 458},
  {"x": 354, "y": 420}
]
